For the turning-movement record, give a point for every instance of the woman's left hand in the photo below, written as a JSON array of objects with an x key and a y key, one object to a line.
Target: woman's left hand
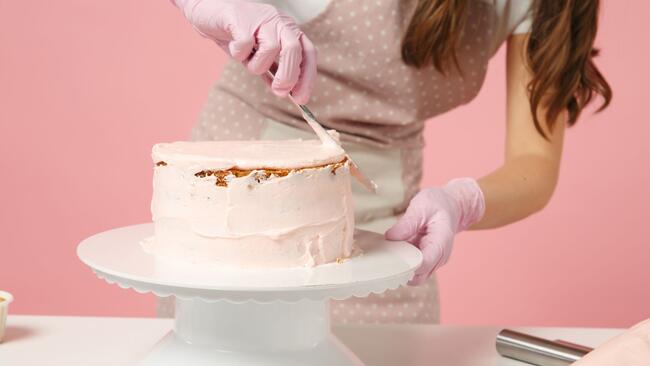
[{"x": 434, "y": 216}]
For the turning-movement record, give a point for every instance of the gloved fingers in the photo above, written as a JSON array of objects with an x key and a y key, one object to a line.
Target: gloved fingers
[
  {"x": 209, "y": 19},
  {"x": 416, "y": 238},
  {"x": 307, "y": 78},
  {"x": 288, "y": 70},
  {"x": 430, "y": 261},
  {"x": 419, "y": 279},
  {"x": 436, "y": 247},
  {"x": 268, "y": 49},
  {"x": 268, "y": 80},
  {"x": 241, "y": 46},
  {"x": 407, "y": 226}
]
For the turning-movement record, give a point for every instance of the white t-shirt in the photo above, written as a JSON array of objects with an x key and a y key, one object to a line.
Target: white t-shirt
[{"x": 513, "y": 15}]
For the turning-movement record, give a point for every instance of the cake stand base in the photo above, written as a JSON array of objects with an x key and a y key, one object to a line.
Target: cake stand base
[
  {"x": 244, "y": 317},
  {"x": 251, "y": 333}
]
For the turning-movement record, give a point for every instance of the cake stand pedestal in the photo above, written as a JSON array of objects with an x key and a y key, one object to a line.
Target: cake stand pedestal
[{"x": 245, "y": 317}]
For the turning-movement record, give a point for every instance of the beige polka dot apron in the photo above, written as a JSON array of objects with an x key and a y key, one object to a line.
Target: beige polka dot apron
[{"x": 377, "y": 103}]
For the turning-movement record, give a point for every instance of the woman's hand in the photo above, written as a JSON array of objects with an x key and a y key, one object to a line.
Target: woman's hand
[
  {"x": 630, "y": 348},
  {"x": 433, "y": 218},
  {"x": 258, "y": 36}
]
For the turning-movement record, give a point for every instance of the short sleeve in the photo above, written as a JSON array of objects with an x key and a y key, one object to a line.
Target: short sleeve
[
  {"x": 520, "y": 16},
  {"x": 512, "y": 17}
]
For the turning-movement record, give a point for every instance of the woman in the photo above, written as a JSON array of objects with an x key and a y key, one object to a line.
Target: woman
[{"x": 384, "y": 68}]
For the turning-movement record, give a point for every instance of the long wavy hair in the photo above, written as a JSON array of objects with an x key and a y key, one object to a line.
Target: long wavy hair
[{"x": 559, "y": 52}]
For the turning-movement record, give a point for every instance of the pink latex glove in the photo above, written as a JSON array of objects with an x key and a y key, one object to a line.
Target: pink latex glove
[
  {"x": 258, "y": 36},
  {"x": 434, "y": 216},
  {"x": 630, "y": 348}
]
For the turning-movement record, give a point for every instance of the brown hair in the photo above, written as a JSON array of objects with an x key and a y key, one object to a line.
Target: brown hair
[{"x": 560, "y": 51}]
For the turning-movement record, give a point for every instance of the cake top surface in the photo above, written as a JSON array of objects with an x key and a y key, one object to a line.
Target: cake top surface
[{"x": 253, "y": 154}]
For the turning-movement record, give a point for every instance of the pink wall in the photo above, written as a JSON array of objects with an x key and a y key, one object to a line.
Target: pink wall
[{"x": 87, "y": 87}]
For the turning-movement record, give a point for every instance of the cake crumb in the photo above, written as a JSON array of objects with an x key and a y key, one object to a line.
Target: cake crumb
[
  {"x": 339, "y": 260},
  {"x": 335, "y": 166},
  {"x": 161, "y": 163},
  {"x": 223, "y": 177}
]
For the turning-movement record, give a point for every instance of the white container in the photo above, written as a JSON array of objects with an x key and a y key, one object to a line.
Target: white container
[{"x": 5, "y": 299}]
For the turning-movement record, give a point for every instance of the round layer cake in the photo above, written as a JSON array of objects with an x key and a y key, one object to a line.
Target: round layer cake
[{"x": 252, "y": 203}]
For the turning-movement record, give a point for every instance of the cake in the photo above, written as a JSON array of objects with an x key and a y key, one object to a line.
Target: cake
[{"x": 278, "y": 203}]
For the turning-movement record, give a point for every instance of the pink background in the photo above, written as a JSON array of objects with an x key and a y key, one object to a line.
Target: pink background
[{"x": 86, "y": 87}]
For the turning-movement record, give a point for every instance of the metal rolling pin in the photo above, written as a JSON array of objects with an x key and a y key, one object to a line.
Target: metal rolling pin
[{"x": 538, "y": 351}]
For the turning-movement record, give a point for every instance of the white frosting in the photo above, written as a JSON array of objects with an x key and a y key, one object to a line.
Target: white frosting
[
  {"x": 223, "y": 155},
  {"x": 302, "y": 219}
]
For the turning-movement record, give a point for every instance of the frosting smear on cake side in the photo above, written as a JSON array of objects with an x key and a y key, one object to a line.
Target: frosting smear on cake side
[{"x": 279, "y": 203}]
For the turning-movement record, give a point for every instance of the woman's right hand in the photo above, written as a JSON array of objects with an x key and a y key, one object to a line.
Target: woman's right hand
[{"x": 258, "y": 36}]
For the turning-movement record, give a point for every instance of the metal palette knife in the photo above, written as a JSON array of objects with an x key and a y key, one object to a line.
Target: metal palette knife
[{"x": 327, "y": 139}]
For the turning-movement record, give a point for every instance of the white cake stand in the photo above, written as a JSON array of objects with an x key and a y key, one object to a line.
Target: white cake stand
[{"x": 230, "y": 316}]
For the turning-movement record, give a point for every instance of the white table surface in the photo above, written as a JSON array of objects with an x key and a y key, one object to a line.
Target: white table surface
[{"x": 59, "y": 340}]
